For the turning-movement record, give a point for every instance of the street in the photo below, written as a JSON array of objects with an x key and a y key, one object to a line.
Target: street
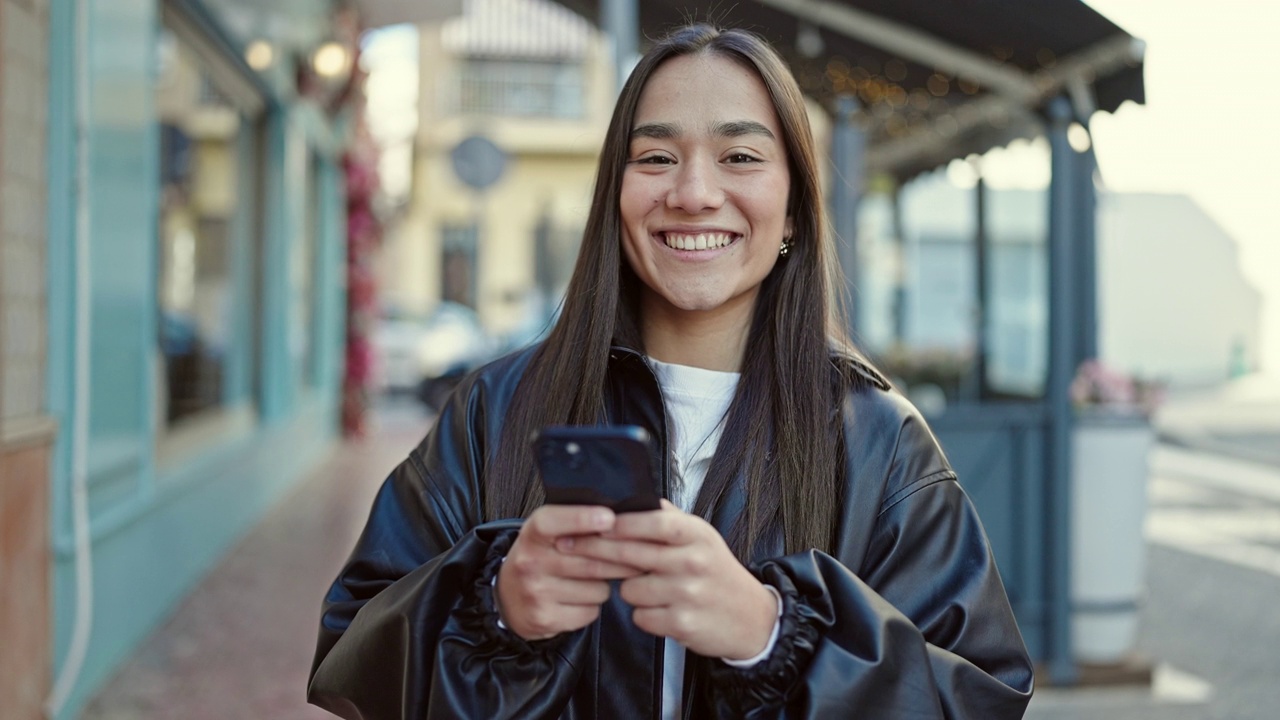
[{"x": 1209, "y": 621}]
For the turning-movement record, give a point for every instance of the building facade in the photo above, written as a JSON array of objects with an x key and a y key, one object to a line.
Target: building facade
[
  {"x": 535, "y": 81},
  {"x": 171, "y": 307},
  {"x": 1190, "y": 319}
]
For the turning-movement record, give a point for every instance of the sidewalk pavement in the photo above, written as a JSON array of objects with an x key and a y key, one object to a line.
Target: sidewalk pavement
[{"x": 240, "y": 645}]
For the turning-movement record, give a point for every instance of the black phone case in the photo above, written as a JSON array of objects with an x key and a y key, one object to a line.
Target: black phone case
[{"x": 597, "y": 465}]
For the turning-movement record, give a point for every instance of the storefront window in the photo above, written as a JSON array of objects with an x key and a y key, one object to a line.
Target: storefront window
[
  {"x": 458, "y": 264},
  {"x": 206, "y": 146},
  {"x": 933, "y": 323},
  {"x": 925, "y": 332},
  {"x": 1017, "y": 226},
  {"x": 522, "y": 88},
  {"x": 1018, "y": 305},
  {"x": 302, "y": 283}
]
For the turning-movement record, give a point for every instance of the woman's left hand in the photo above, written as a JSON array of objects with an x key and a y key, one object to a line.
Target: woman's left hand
[{"x": 694, "y": 590}]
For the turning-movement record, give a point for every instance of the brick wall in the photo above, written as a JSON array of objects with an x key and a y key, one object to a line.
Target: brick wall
[
  {"x": 25, "y": 435},
  {"x": 25, "y": 606}
]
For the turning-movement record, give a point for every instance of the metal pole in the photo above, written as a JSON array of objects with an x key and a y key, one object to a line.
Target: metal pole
[
  {"x": 981, "y": 281},
  {"x": 900, "y": 272},
  {"x": 1087, "y": 245},
  {"x": 478, "y": 241},
  {"x": 621, "y": 21},
  {"x": 848, "y": 151},
  {"x": 1062, "y": 280}
]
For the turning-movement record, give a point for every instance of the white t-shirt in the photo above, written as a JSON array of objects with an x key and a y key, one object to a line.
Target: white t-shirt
[{"x": 697, "y": 402}]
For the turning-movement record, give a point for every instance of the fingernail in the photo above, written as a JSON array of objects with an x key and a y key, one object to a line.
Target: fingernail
[
  {"x": 564, "y": 544},
  {"x": 601, "y": 519}
]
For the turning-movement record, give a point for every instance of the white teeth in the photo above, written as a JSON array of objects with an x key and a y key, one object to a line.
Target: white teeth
[{"x": 701, "y": 241}]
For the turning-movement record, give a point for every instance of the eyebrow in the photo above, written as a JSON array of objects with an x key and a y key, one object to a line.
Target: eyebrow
[
  {"x": 738, "y": 128},
  {"x": 656, "y": 131},
  {"x": 735, "y": 128}
]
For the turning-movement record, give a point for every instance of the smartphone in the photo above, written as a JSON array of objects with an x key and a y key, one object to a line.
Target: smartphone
[{"x": 597, "y": 465}]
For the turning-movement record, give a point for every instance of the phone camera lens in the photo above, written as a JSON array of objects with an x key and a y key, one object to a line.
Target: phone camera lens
[{"x": 576, "y": 458}]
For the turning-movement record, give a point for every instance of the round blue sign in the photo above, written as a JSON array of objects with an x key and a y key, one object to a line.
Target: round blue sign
[{"x": 478, "y": 162}]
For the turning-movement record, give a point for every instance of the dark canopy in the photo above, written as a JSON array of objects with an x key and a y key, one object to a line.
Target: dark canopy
[{"x": 937, "y": 79}]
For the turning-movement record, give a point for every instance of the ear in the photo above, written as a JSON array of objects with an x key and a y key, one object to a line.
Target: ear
[{"x": 788, "y": 228}]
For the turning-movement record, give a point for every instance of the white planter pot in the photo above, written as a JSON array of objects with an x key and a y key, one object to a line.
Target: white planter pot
[{"x": 1108, "y": 551}]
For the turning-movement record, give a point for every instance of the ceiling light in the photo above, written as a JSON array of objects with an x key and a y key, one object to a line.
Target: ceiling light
[
  {"x": 330, "y": 60},
  {"x": 259, "y": 55}
]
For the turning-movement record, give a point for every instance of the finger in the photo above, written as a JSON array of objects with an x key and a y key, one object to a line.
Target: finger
[
  {"x": 535, "y": 561},
  {"x": 551, "y": 621},
  {"x": 548, "y": 592},
  {"x": 580, "y": 616},
  {"x": 568, "y": 591},
  {"x": 551, "y": 521},
  {"x": 649, "y": 591},
  {"x": 645, "y": 556},
  {"x": 669, "y": 526},
  {"x": 590, "y": 568},
  {"x": 662, "y": 622}
]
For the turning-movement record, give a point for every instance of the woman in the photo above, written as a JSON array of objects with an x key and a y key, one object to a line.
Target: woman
[{"x": 820, "y": 560}]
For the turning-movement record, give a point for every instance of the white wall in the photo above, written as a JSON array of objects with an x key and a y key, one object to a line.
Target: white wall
[{"x": 1173, "y": 297}]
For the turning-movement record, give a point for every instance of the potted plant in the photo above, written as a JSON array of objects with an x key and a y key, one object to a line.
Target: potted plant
[
  {"x": 931, "y": 376},
  {"x": 1111, "y": 440}
]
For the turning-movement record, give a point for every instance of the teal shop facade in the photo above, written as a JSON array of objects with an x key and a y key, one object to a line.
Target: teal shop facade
[{"x": 195, "y": 301}]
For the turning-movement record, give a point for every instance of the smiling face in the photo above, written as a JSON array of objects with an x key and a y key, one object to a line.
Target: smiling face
[{"x": 705, "y": 189}]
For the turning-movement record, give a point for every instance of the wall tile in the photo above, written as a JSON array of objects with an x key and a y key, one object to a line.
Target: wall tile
[
  {"x": 23, "y": 96},
  {"x": 24, "y": 573}
]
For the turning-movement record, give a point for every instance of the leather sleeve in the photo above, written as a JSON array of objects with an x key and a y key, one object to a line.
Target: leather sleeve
[
  {"x": 924, "y": 630},
  {"x": 409, "y": 628}
]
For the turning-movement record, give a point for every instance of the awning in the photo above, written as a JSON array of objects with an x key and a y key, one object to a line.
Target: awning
[
  {"x": 379, "y": 13},
  {"x": 937, "y": 79},
  {"x": 513, "y": 28}
]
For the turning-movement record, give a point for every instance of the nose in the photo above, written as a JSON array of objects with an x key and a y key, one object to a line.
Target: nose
[{"x": 696, "y": 187}]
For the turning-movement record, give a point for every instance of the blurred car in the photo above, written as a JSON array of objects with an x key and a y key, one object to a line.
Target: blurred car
[{"x": 427, "y": 356}]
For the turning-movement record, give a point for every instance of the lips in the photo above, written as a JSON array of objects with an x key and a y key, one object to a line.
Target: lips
[{"x": 697, "y": 241}]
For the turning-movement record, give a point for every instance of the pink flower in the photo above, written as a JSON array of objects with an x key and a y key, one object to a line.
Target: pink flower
[{"x": 1098, "y": 385}]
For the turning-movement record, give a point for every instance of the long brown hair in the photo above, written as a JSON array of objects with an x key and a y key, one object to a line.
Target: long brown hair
[{"x": 789, "y": 392}]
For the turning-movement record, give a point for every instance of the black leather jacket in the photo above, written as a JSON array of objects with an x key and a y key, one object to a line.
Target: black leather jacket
[{"x": 908, "y": 619}]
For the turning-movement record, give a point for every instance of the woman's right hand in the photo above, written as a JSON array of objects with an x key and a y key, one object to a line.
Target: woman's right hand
[{"x": 542, "y": 592}]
